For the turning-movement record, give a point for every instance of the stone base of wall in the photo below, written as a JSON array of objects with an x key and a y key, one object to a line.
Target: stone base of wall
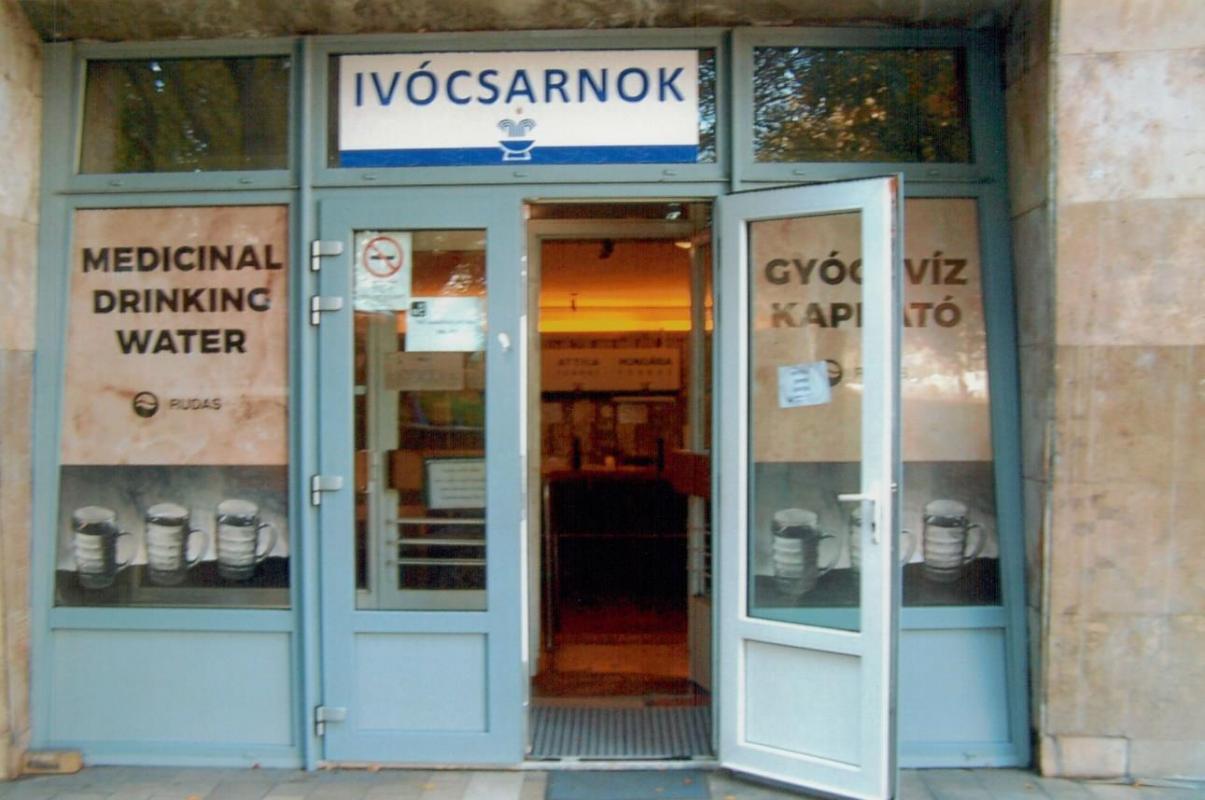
[
  {"x": 1085, "y": 756},
  {"x": 1119, "y": 757}
]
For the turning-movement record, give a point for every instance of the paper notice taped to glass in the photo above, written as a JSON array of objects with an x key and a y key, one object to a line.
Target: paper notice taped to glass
[
  {"x": 382, "y": 272},
  {"x": 804, "y": 385},
  {"x": 443, "y": 324}
]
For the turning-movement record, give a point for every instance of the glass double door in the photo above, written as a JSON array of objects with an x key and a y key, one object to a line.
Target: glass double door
[{"x": 421, "y": 411}]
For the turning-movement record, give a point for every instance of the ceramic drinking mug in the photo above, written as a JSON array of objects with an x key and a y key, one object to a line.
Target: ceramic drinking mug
[
  {"x": 796, "y": 550},
  {"x": 945, "y": 540},
  {"x": 95, "y": 538},
  {"x": 907, "y": 541},
  {"x": 240, "y": 534},
  {"x": 168, "y": 535}
]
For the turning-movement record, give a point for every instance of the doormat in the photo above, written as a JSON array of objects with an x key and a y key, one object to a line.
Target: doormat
[{"x": 645, "y": 784}]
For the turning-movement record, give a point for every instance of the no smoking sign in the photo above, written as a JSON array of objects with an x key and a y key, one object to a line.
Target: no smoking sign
[
  {"x": 383, "y": 256},
  {"x": 382, "y": 270}
]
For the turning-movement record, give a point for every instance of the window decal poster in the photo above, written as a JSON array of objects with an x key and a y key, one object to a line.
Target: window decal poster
[
  {"x": 805, "y": 307},
  {"x": 174, "y": 442}
]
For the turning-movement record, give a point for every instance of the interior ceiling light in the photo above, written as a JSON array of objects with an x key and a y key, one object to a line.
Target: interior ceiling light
[{"x": 685, "y": 244}]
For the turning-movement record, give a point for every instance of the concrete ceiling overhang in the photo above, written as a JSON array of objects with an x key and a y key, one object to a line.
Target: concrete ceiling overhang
[{"x": 144, "y": 20}]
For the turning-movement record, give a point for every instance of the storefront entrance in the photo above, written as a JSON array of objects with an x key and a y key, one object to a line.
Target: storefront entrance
[
  {"x": 429, "y": 444},
  {"x": 423, "y": 570}
]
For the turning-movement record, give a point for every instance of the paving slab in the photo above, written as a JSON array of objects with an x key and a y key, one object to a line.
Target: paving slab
[{"x": 165, "y": 783}]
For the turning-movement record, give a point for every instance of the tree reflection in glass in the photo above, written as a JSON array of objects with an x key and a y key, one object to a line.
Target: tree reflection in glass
[{"x": 830, "y": 104}]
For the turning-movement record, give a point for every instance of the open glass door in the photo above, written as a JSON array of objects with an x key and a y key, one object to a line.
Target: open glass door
[{"x": 808, "y": 459}]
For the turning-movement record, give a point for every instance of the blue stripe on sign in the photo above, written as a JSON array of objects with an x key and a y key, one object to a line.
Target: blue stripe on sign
[{"x": 476, "y": 156}]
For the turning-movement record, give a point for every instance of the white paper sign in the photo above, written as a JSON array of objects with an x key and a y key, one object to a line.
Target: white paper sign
[
  {"x": 804, "y": 385},
  {"x": 456, "y": 483},
  {"x": 536, "y": 107},
  {"x": 383, "y": 261},
  {"x": 633, "y": 414},
  {"x": 455, "y": 324}
]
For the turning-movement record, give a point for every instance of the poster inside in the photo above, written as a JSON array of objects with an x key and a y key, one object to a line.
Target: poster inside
[
  {"x": 174, "y": 444},
  {"x": 806, "y": 310}
]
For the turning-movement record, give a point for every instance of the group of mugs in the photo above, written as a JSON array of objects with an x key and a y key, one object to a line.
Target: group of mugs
[
  {"x": 797, "y": 536},
  {"x": 242, "y": 542}
]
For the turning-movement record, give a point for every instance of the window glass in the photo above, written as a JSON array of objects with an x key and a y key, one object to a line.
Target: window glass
[
  {"x": 948, "y": 509},
  {"x": 186, "y": 115},
  {"x": 173, "y": 484},
  {"x": 805, "y": 421},
  {"x": 841, "y": 104},
  {"x": 805, "y": 547},
  {"x": 420, "y": 419}
]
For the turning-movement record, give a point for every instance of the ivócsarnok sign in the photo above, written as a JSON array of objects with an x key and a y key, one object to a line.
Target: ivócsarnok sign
[{"x": 544, "y": 107}]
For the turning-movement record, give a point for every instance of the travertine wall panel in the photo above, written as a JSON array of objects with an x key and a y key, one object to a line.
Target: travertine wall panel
[
  {"x": 16, "y": 381},
  {"x": 1130, "y": 125},
  {"x": 20, "y": 141},
  {"x": 1117, "y": 413},
  {"x": 1135, "y": 266},
  {"x": 1028, "y": 139},
  {"x": 1027, "y": 114},
  {"x": 1125, "y": 639},
  {"x": 1119, "y": 26},
  {"x": 1032, "y": 246},
  {"x": 1111, "y": 549}
]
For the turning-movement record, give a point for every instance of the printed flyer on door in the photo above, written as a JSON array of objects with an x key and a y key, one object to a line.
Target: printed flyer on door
[
  {"x": 806, "y": 315},
  {"x": 174, "y": 439}
]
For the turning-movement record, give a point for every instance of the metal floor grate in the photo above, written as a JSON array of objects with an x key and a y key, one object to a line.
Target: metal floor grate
[{"x": 621, "y": 733}]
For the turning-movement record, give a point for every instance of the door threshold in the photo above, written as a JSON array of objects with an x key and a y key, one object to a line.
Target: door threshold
[
  {"x": 529, "y": 764},
  {"x": 605, "y": 764}
]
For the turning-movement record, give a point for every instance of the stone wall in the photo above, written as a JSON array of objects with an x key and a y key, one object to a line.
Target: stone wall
[
  {"x": 1027, "y": 114},
  {"x": 20, "y": 142},
  {"x": 1124, "y": 573}
]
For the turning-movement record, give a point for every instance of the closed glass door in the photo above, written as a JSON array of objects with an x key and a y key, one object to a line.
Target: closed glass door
[{"x": 419, "y": 418}]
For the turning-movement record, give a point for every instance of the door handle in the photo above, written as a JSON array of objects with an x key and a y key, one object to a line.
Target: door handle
[{"x": 857, "y": 497}]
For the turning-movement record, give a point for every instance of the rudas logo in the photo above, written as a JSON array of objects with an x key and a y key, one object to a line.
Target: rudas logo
[{"x": 146, "y": 404}]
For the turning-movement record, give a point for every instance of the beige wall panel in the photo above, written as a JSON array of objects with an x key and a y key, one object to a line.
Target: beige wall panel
[
  {"x": 1129, "y": 126},
  {"x": 1102, "y": 26}
]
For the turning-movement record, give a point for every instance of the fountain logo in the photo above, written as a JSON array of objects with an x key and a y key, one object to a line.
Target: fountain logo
[{"x": 517, "y": 144}]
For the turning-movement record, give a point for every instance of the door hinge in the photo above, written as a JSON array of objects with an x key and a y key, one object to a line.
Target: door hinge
[
  {"x": 320, "y": 248},
  {"x": 325, "y": 714},
  {"x": 320, "y": 303},
  {"x": 323, "y": 483}
]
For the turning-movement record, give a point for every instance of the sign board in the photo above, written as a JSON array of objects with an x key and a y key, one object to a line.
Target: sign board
[
  {"x": 383, "y": 262},
  {"x": 806, "y": 307},
  {"x": 424, "y": 372},
  {"x": 177, "y": 338},
  {"x": 803, "y": 385},
  {"x": 448, "y": 324},
  {"x": 175, "y": 401},
  {"x": 455, "y": 483},
  {"x": 607, "y": 370},
  {"x": 507, "y": 108}
]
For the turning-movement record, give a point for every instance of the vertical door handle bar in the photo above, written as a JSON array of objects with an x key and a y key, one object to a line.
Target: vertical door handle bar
[{"x": 864, "y": 498}]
